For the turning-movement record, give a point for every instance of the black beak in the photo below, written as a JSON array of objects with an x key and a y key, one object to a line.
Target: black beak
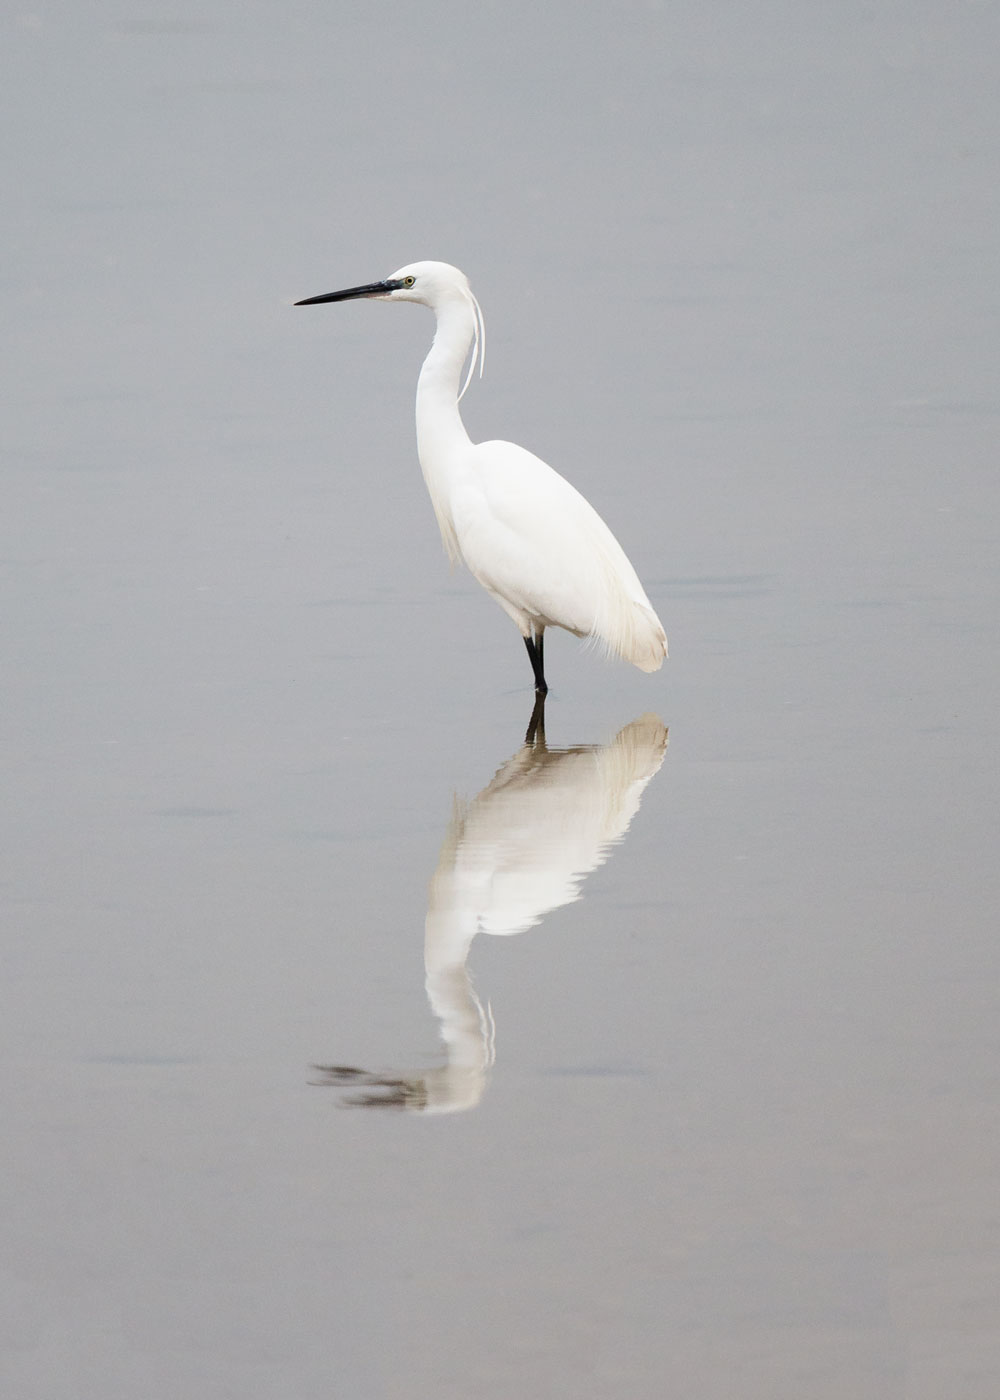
[{"x": 373, "y": 289}]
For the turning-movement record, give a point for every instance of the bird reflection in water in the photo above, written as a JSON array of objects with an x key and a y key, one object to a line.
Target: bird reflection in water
[{"x": 512, "y": 854}]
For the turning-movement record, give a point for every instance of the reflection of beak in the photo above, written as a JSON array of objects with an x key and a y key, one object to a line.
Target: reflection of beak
[{"x": 372, "y": 289}]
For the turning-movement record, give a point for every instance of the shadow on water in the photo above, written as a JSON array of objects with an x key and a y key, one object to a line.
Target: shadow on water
[{"x": 519, "y": 849}]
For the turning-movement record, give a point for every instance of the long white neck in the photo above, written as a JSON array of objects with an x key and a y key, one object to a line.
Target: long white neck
[{"x": 441, "y": 435}]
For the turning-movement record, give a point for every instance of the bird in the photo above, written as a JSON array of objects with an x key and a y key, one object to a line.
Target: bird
[{"x": 523, "y": 531}]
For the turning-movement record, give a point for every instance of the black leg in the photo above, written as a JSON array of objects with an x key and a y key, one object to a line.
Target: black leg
[
  {"x": 535, "y": 656},
  {"x": 536, "y": 725}
]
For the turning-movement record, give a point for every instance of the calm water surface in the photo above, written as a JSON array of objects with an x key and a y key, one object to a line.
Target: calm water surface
[{"x": 716, "y": 1114}]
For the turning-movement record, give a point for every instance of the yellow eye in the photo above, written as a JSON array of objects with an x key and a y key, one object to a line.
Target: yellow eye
[{"x": 408, "y": 281}]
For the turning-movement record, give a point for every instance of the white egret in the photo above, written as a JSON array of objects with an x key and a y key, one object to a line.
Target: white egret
[{"x": 528, "y": 536}]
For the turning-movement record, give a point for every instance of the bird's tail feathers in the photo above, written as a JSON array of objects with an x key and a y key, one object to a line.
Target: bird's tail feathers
[
  {"x": 649, "y": 648},
  {"x": 628, "y": 628}
]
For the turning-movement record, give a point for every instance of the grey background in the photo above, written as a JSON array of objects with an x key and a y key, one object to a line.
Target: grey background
[{"x": 740, "y": 273}]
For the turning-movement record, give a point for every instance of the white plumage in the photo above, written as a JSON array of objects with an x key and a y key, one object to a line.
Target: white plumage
[{"x": 533, "y": 542}]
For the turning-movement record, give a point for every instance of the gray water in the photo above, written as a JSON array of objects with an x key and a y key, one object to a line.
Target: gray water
[{"x": 717, "y": 1115}]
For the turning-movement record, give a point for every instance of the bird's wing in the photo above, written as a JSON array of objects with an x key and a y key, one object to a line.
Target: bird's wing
[{"x": 532, "y": 539}]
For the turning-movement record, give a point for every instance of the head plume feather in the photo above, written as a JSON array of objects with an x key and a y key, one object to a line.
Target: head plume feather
[{"x": 478, "y": 345}]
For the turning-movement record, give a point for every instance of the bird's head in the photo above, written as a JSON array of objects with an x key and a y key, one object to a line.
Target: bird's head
[
  {"x": 430, "y": 283},
  {"x": 434, "y": 284}
]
